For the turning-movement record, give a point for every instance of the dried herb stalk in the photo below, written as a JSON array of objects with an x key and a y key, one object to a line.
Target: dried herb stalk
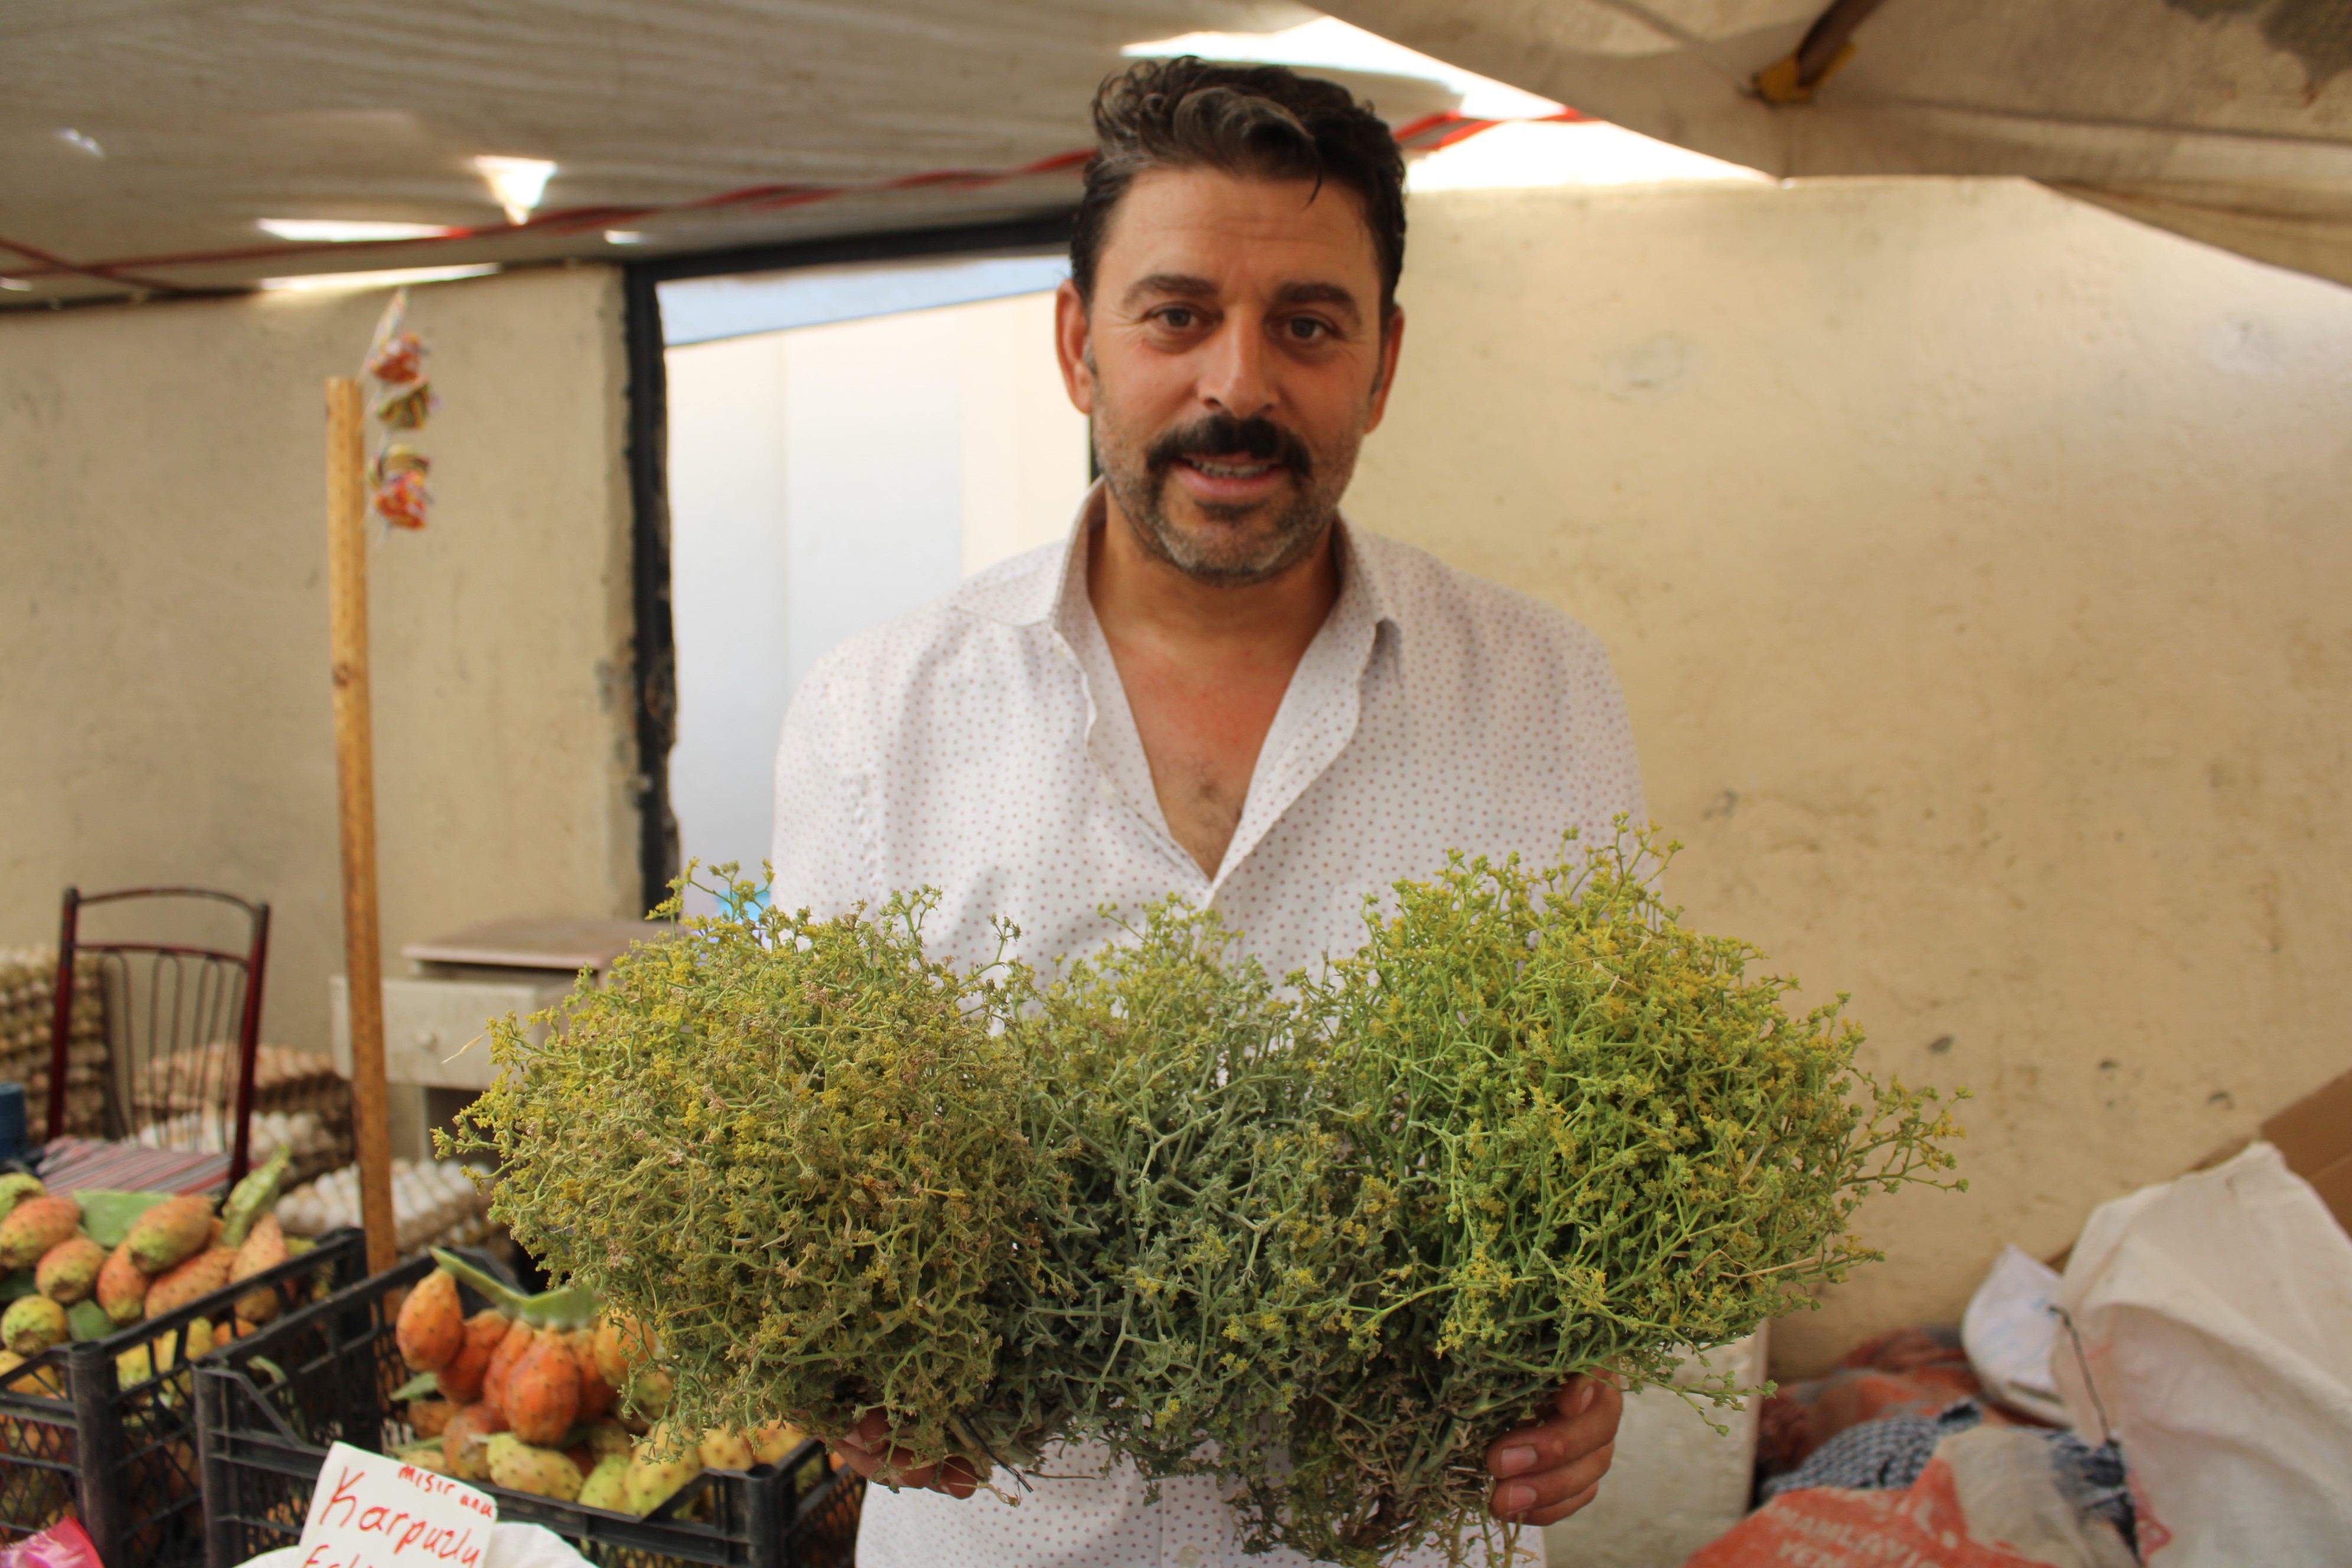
[{"x": 1327, "y": 1239}]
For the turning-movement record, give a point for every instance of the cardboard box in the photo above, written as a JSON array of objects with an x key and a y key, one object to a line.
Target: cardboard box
[{"x": 2315, "y": 1135}]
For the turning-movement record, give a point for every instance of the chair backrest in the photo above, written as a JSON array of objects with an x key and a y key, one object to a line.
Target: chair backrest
[{"x": 183, "y": 1021}]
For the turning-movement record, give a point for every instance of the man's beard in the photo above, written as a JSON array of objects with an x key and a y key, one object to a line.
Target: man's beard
[{"x": 1227, "y": 551}]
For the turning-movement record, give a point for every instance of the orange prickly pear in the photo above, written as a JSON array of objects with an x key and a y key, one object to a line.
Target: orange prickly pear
[
  {"x": 461, "y": 1377},
  {"x": 33, "y": 1228},
  {"x": 465, "y": 1441},
  {"x": 543, "y": 1390},
  {"x": 620, "y": 1344},
  {"x": 202, "y": 1275},
  {"x": 596, "y": 1395},
  {"x": 122, "y": 1288},
  {"x": 520, "y": 1338},
  {"x": 431, "y": 1328},
  {"x": 264, "y": 1248},
  {"x": 69, "y": 1271}
]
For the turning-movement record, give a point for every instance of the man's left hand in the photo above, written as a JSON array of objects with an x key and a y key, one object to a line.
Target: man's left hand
[{"x": 1543, "y": 1474}]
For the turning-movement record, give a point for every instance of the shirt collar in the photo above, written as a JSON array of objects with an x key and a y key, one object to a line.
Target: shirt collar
[{"x": 1023, "y": 593}]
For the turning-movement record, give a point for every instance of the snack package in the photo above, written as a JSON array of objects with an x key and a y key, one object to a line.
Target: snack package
[{"x": 64, "y": 1544}]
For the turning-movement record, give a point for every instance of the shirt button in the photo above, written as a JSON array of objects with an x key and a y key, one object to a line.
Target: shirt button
[
  {"x": 1109, "y": 791},
  {"x": 1189, "y": 1558}
]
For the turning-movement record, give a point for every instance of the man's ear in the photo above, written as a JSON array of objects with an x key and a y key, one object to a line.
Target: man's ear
[
  {"x": 1071, "y": 342},
  {"x": 1391, "y": 342}
]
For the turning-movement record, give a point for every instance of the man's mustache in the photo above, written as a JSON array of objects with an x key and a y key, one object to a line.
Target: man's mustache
[{"x": 1223, "y": 436}]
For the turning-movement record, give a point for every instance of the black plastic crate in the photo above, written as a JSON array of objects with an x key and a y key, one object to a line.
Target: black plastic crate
[
  {"x": 124, "y": 1456},
  {"x": 268, "y": 1406}
]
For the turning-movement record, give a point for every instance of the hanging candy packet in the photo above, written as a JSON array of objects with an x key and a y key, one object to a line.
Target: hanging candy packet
[
  {"x": 405, "y": 408},
  {"x": 395, "y": 359}
]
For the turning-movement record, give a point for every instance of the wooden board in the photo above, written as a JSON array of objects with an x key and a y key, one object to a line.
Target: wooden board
[{"x": 570, "y": 946}]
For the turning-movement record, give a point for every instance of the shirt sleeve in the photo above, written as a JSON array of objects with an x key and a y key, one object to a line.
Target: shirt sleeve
[
  {"x": 822, "y": 860},
  {"x": 1606, "y": 749}
]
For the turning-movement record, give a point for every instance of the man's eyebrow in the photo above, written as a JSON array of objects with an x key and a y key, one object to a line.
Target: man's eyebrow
[
  {"x": 1179, "y": 283},
  {"x": 1319, "y": 294}
]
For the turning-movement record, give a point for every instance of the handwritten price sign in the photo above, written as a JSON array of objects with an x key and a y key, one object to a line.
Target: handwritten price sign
[{"x": 371, "y": 1511}]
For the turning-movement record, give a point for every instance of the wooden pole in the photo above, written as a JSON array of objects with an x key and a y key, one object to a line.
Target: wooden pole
[{"x": 347, "y": 616}]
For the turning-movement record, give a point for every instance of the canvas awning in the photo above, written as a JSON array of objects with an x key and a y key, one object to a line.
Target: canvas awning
[
  {"x": 144, "y": 139},
  {"x": 2228, "y": 121}
]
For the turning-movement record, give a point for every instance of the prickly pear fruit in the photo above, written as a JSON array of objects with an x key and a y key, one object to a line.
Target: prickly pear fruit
[
  {"x": 14, "y": 1188},
  {"x": 647, "y": 1393},
  {"x": 725, "y": 1448},
  {"x": 171, "y": 1232},
  {"x": 596, "y": 1395},
  {"x": 264, "y": 1250},
  {"x": 607, "y": 1485},
  {"x": 199, "y": 1276},
  {"x": 255, "y": 1196},
  {"x": 69, "y": 1271},
  {"x": 461, "y": 1376},
  {"x": 465, "y": 1442},
  {"x": 32, "y": 1324},
  {"x": 522, "y": 1466},
  {"x": 773, "y": 1441},
  {"x": 426, "y": 1457},
  {"x": 122, "y": 1288},
  {"x": 430, "y": 1417},
  {"x": 432, "y": 1327},
  {"x": 543, "y": 1390},
  {"x": 519, "y": 1337},
  {"x": 620, "y": 1344},
  {"x": 653, "y": 1481},
  {"x": 33, "y": 1228}
]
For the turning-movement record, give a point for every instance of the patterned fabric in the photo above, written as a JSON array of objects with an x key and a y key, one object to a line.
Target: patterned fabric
[
  {"x": 1909, "y": 1372},
  {"x": 1885, "y": 1455},
  {"x": 983, "y": 746},
  {"x": 1890, "y": 1453}
]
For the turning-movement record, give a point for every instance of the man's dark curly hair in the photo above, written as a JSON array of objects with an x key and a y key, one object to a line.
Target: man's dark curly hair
[{"x": 1264, "y": 121}]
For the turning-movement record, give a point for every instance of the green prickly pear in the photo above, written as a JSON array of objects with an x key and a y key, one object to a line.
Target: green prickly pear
[
  {"x": 32, "y": 1324},
  {"x": 171, "y": 1232},
  {"x": 607, "y": 1485},
  {"x": 521, "y": 1467}
]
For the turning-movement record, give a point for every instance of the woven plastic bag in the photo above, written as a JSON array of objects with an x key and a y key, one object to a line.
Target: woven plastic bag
[
  {"x": 2214, "y": 1319},
  {"x": 1991, "y": 1498}
]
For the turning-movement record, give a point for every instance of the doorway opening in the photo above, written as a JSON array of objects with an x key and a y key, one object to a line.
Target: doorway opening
[{"x": 846, "y": 443}]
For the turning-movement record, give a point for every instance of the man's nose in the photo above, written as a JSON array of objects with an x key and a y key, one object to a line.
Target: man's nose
[{"x": 1237, "y": 377}]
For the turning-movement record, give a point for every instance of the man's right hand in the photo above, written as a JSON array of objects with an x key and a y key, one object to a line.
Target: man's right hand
[{"x": 865, "y": 1451}]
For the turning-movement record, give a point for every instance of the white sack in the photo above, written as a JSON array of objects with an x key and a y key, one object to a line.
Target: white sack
[
  {"x": 2215, "y": 1319},
  {"x": 2009, "y": 1330}
]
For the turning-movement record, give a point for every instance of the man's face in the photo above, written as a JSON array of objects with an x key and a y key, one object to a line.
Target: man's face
[{"x": 1233, "y": 362}]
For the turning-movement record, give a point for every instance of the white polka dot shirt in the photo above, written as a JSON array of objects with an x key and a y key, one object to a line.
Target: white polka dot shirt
[{"x": 983, "y": 746}]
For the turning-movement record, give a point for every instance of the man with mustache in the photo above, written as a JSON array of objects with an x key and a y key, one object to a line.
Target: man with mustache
[{"x": 1215, "y": 689}]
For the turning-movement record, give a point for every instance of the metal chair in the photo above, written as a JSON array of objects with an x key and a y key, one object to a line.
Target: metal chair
[{"x": 181, "y": 1024}]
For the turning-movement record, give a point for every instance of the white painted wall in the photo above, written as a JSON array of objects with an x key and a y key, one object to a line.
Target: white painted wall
[
  {"x": 823, "y": 480},
  {"x": 1976, "y": 565},
  {"x": 165, "y": 712}
]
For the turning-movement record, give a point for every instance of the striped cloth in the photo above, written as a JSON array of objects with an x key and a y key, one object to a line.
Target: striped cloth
[{"x": 72, "y": 1164}]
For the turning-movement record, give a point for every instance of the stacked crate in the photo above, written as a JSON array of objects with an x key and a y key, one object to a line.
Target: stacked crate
[{"x": 29, "y": 977}]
